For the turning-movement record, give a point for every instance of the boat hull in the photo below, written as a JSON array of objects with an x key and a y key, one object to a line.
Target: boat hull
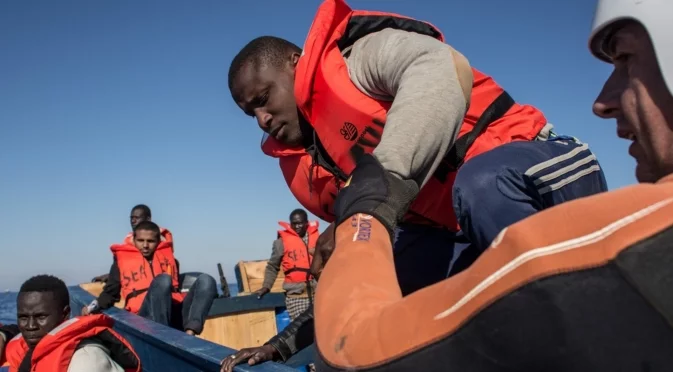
[{"x": 161, "y": 348}]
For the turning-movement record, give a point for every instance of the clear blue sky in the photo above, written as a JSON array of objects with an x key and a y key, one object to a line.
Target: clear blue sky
[{"x": 106, "y": 104}]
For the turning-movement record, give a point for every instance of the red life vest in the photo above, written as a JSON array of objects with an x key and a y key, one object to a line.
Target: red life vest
[
  {"x": 166, "y": 236},
  {"x": 54, "y": 352},
  {"x": 136, "y": 274},
  {"x": 296, "y": 256},
  {"x": 349, "y": 123}
]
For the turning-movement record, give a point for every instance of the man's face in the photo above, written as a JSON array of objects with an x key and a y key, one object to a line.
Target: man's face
[
  {"x": 38, "y": 313},
  {"x": 138, "y": 216},
  {"x": 146, "y": 241},
  {"x": 636, "y": 96},
  {"x": 299, "y": 224},
  {"x": 267, "y": 94}
]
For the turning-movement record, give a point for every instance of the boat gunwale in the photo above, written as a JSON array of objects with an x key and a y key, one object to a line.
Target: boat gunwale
[{"x": 195, "y": 351}]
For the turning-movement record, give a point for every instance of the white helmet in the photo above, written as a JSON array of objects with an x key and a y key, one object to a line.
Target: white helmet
[{"x": 655, "y": 15}]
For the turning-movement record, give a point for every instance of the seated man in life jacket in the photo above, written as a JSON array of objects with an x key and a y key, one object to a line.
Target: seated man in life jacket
[
  {"x": 139, "y": 213},
  {"x": 293, "y": 250},
  {"x": 51, "y": 341},
  {"x": 145, "y": 276},
  {"x": 373, "y": 84},
  {"x": 583, "y": 286}
]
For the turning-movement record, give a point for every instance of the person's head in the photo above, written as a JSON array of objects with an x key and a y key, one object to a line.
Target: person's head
[
  {"x": 299, "y": 221},
  {"x": 146, "y": 237},
  {"x": 43, "y": 304},
  {"x": 634, "y": 36},
  {"x": 140, "y": 213},
  {"x": 261, "y": 82}
]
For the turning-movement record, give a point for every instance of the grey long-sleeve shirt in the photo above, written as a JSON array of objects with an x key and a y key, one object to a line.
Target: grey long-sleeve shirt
[{"x": 429, "y": 84}]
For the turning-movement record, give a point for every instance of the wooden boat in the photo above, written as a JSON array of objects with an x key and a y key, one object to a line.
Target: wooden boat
[{"x": 233, "y": 323}]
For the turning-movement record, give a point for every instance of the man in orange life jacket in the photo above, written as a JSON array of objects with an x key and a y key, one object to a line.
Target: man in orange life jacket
[
  {"x": 139, "y": 213},
  {"x": 380, "y": 87},
  {"x": 51, "y": 342},
  {"x": 145, "y": 275},
  {"x": 293, "y": 250}
]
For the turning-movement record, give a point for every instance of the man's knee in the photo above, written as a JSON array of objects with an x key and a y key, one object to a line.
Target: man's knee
[
  {"x": 162, "y": 282},
  {"x": 206, "y": 283}
]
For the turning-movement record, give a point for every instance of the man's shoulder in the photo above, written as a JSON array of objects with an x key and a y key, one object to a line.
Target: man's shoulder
[
  {"x": 91, "y": 355},
  {"x": 585, "y": 233}
]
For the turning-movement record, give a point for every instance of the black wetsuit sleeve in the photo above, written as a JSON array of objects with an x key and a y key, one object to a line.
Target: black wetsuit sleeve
[
  {"x": 111, "y": 291},
  {"x": 296, "y": 336},
  {"x": 9, "y": 331}
]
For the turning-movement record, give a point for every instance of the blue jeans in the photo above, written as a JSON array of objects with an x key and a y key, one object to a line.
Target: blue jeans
[
  {"x": 158, "y": 304},
  {"x": 492, "y": 191}
]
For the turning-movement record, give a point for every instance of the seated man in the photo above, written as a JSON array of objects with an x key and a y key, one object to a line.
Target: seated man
[
  {"x": 293, "y": 250},
  {"x": 145, "y": 275},
  {"x": 139, "y": 213},
  {"x": 51, "y": 342}
]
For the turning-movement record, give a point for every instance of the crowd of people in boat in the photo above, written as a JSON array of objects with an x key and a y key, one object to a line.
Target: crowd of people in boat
[{"x": 466, "y": 232}]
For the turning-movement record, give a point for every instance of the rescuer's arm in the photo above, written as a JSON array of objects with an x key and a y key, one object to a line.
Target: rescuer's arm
[{"x": 429, "y": 84}]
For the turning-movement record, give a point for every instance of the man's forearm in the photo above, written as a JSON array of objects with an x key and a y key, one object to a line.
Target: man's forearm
[
  {"x": 297, "y": 336},
  {"x": 430, "y": 85}
]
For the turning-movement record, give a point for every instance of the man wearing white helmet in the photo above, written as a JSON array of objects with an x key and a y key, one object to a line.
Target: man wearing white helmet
[{"x": 593, "y": 293}]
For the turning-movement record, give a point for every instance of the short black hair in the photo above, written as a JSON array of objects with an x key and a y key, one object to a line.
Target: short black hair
[
  {"x": 48, "y": 283},
  {"x": 147, "y": 225},
  {"x": 146, "y": 210},
  {"x": 299, "y": 212},
  {"x": 262, "y": 51}
]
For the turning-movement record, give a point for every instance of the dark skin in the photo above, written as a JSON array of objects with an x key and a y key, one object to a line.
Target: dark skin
[
  {"x": 299, "y": 224},
  {"x": 38, "y": 313},
  {"x": 267, "y": 93},
  {"x": 137, "y": 216},
  {"x": 261, "y": 354}
]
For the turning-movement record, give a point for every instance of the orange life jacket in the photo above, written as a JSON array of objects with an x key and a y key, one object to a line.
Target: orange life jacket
[
  {"x": 136, "y": 273},
  {"x": 54, "y": 352},
  {"x": 296, "y": 256},
  {"x": 349, "y": 123},
  {"x": 165, "y": 235}
]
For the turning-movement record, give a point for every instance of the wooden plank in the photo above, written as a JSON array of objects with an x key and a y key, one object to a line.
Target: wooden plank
[
  {"x": 252, "y": 276},
  {"x": 237, "y": 331},
  {"x": 95, "y": 289}
]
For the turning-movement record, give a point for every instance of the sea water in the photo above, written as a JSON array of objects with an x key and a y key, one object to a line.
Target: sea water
[{"x": 8, "y": 304}]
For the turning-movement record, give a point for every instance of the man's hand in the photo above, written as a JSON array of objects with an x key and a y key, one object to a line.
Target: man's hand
[
  {"x": 85, "y": 311},
  {"x": 261, "y": 292},
  {"x": 253, "y": 355},
  {"x": 374, "y": 191},
  {"x": 324, "y": 248}
]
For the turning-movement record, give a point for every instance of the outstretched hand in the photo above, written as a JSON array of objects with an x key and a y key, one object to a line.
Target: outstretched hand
[{"x": 254, "y": 355}]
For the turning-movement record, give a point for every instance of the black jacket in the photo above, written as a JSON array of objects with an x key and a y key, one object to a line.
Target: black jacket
[{"x": 296, "y": 336}]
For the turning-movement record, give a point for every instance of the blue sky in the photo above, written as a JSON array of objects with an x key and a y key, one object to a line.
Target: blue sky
[{"x": 106, "y": 104}]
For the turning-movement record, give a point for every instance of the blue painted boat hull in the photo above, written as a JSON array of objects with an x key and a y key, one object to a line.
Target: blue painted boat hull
[{"x": 161, "y": 348}]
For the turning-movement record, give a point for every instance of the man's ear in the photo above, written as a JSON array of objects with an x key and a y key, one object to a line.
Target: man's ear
[{"x": 294, "y": 59}]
